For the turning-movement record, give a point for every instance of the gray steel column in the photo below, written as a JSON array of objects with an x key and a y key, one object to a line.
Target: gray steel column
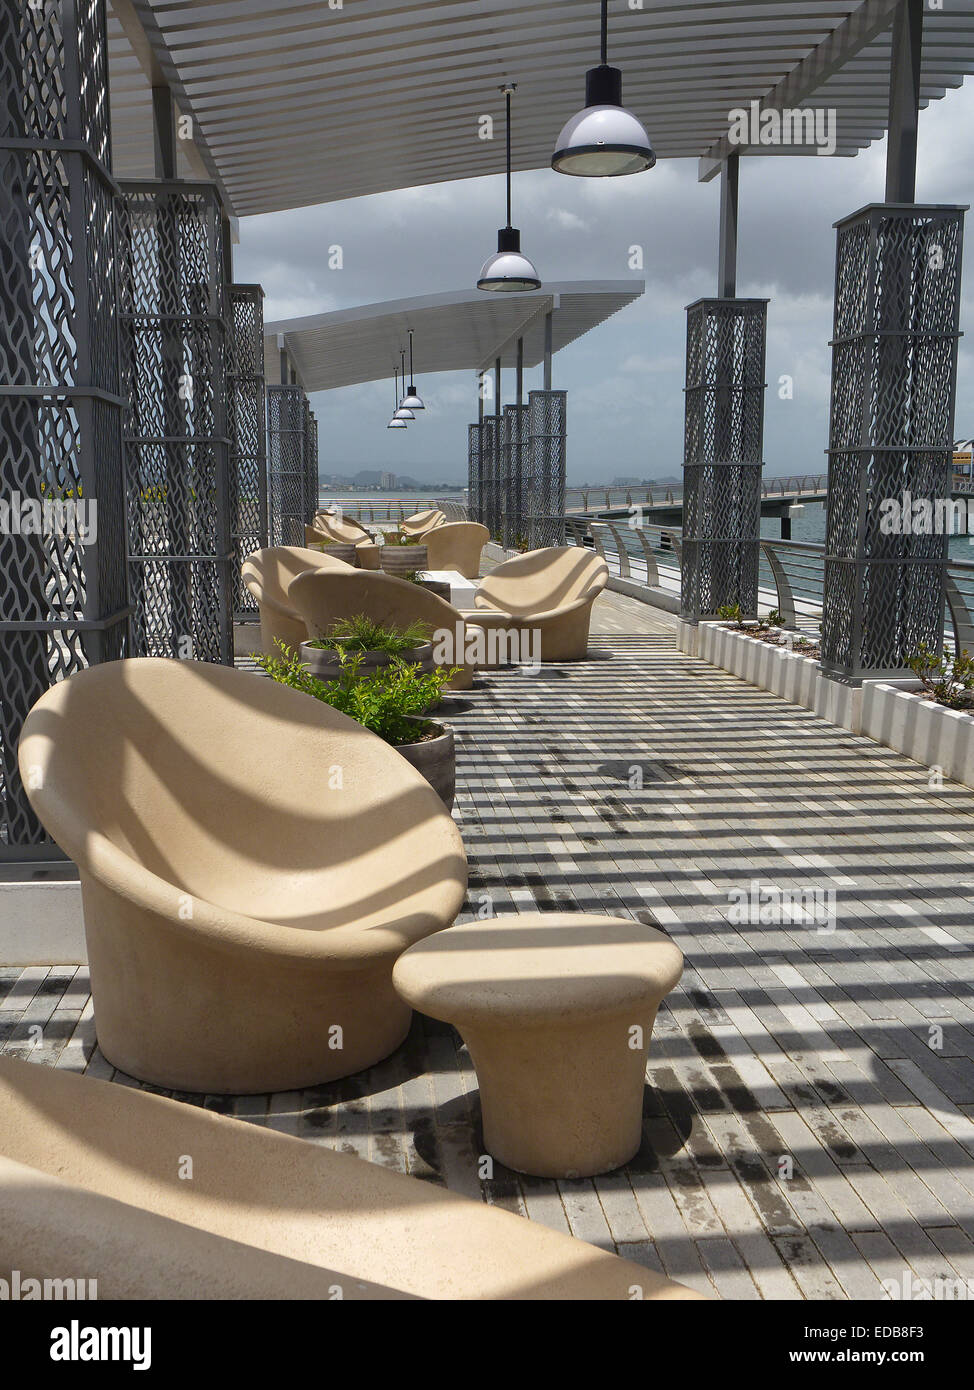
[
  {"x": 547, "y": 432},
  {"x": 727, "y": 254},
  {"x": 474, "y": 480},
  {"x": 723, "y": 455},
  {"x": 287, "y": 463},
  {"x": 904, "y": 102},
  {"x": 894, "y": 376},
  {"x": 548, "y": 326},
  {"x": 64, "y": 602}
]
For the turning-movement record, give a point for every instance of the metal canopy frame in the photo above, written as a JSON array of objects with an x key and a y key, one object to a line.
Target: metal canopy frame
[{"x": 263, "y": 80}]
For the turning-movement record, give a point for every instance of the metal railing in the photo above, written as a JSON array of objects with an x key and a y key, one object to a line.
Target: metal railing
[
  {"x": 590, "y": 499},
  {"x": 392, "y": 509}
]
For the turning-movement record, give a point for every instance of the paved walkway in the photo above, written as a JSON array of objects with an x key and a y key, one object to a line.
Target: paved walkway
[{"x": 809, "y": 1122}]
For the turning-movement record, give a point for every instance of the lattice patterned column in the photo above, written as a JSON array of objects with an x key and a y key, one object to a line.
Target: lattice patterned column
[
  {"x": 517, "y": 472},
  {"x": 310, "y": 463},
  {"x": 724, "y": 442},
  {"x": 248, "y": 434},
  {"x": 286, "y": 464},
  {"x": 63, "y": 603},
  {"x": 474, "y": 499},
  {"x": 489, "y": 483},
  {"x": 175, "y": 309},
  {"x": 547, "y": 435},
  {"x": 894, "y": 374}
]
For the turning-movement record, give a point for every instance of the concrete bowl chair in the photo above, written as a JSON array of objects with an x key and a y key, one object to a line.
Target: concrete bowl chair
[
  {"x": 420, "y": 522},
  {"x": 549, "y": 591},
  {"x": 267, "y": 574},
  {"x": 457, "y": 545},
  {"x": 90, "y": 1187},
  {"x": 252, "y": 863},
  {"x": 340, "y": 528},
  {"x": 322, "y": 598}
]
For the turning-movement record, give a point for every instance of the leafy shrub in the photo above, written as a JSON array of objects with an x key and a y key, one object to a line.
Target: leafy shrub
[
  {"x": 731, "y": 613},
  {"x": 360, "y": 634},
  {"x": 948, "y": 678},
  {"x": 389, "y": 702}
]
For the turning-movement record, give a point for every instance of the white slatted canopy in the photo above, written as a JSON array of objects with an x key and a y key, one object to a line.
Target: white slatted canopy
[
  {"x": 297, "y": 103},
  {"x": 458, "y": 331}
]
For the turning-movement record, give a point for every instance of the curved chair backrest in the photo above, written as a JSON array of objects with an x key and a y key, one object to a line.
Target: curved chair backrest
[
  {"x": 338, "y": 528},
  {"x": 456, "y": 545},
  {"x": 322, "y": 598},
  {"x": 268, "y": 573},
  {"x": 216, "y": 782},
  {"x": 542, "y": 580},
  {"x": 421, "y": 522}
]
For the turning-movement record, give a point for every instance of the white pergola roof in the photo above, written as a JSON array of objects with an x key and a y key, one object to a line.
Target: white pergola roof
[
  {"x": 296, "y": 103},
  {"x": 462, "y": 330}
]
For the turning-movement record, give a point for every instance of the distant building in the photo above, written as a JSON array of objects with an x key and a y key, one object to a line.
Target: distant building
[{"x": 388, "y": 482}]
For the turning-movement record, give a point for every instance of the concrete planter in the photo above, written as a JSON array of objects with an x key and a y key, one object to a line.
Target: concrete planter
[
  {"x": 338, "y": 550},
  {"x": 900, "y": 718},
  {"x": 435, "y": 758},
  {"x": 400, "y": 560},
  {"x": 324, "y": 663},
  {"x": 786, "y": 673}
]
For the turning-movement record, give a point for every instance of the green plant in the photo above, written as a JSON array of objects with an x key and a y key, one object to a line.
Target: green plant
[
  {"x": 360, "y": 634},
  {"x": 773, "y": 619},
  {"x": 948, "y": 678},
  {"x": 731, "y": 613},
  {"x": 389, "y": 703}
]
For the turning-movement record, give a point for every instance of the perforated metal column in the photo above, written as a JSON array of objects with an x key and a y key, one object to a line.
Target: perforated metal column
[
  {"x": 474, "y": 480},
  {"x": 894, "y": 374},
  {"x": 517, "y": 471},
  {"x": 63, "y": 602},
  {"x": 248, "y": 435},
  {"x": 723, "y": 447},
  {"x": 547, "y": 445},
  {"x": 287, "y": 464},
  {"x": 175, "y": 309},
  {"x": 310, "y": 463},
  {"x": 489, "y": 473}
]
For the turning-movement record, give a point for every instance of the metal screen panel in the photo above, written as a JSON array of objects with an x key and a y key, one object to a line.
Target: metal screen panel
[
  {"x": 547, "y": 453},
  {"x": 489, "y": 474},
  {"x": 310, "y": 463},
  {"x": 474, "y": 473},
  {"x": 248, "y": 435},
  {"x": 516, "y": 472},
  {"x": 723, "y": 448},
  {"x": 287, "y": 464},
  {"x": 63, "y": 602},
  {"x": 894, "y": 375},
  {"x": 174, "y": 312}
]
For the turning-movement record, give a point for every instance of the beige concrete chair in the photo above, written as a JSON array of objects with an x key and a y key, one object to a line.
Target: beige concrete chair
[
  {"x": 549, "y": 591},
  {"x": 340, "y": 528},
  {"x": 90, "y": 1185},
  {"x": 557, "y": 1010},
  {"x": 251, "y": 863},
  {"x": 267, "y": 574},
  {"x": 457, "y": 545},
  {"x": 421, "y": 522},
  {"x": 385, "y": 599}
]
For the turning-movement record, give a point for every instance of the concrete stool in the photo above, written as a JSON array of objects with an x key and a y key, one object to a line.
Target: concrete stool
[
  {"x": 368, "y": 556},
  {"x": 557, "y": 1010}
]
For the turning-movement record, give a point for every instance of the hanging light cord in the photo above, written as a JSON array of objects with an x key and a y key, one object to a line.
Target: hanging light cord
[
  {"x": 605, "y": 32},
  {"x": 411, "y": 356},
  {"x": 508, "y": 157}
]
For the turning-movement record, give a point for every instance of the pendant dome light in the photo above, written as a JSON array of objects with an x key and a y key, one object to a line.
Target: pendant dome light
[
  {"x": 604, "y": 140},
  {"x": 508, "y": 272},
  {"x": 411, "y": 399},
  {"x": 396, "y": 423},
  {"x": 403, "y": 413}
]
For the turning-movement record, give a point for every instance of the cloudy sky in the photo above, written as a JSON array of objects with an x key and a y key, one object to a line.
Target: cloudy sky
[{"x": 625, "y": 379}]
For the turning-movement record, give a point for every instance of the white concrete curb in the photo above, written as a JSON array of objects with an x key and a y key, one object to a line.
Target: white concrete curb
[{"x": 41, "y": 923}]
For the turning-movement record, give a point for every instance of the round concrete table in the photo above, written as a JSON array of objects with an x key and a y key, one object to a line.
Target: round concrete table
[{"x": 557, "y": 1010}]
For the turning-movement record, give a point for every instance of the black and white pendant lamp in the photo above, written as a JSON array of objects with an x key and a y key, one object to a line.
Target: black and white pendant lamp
[
  {"x": 508, "y": 272},
  {"x": 397, "y": 422},
  {"x": 603, "y": 140},
  {"x": 411, "y": 400},
  {"x": 403, "y": 412}
]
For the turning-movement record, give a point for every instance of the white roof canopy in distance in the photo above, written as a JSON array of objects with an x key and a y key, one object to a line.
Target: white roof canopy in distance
[
  {"x": 459, "y": 331},
  {"x": 295, "y": 103}
]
